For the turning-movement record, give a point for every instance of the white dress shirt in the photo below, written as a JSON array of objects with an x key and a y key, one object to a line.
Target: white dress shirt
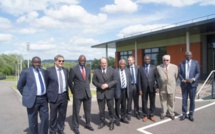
[
  {"x": 64, "y": 81},
  {"x": 133, "y": 67},
  {"x": 187, "y": 70},
  {"x": 39, "y": 90},
  {"x": 124, "y": 76}
]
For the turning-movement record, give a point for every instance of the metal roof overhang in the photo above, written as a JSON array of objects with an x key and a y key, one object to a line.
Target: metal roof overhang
[{"x": 200, "y": 27}]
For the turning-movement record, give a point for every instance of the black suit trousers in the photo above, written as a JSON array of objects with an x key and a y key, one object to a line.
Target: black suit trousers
[
  {"x": 58, "y": 113},
  {"x": 101, "y": 103},
  {"x": 76, "y": 110},
  {"x": 133, "y": 95},
  {"x": 151, "y": 95},
  {"x": 41, "y": 107}
]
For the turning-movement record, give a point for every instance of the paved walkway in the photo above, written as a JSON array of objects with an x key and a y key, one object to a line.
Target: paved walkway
[{"x": 13, "y": 119}]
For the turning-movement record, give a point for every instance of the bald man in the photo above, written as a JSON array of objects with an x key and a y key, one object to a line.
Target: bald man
[
  {"x": 167, "y": 76},
  {"x": 79, "y": 83},
  {"x": 105, "y": 82},
  {"x": 189, "y": 72}
]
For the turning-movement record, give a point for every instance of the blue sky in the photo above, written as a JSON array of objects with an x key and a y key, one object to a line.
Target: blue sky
[{"x": 71, "y": 27}]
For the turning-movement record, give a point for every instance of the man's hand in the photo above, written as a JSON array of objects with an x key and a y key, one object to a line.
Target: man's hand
[
  {"x": 184, "y": 81},
  {"x": 104, "y": 86},
  {"x": 157, "y": 90},
  {"x": 140, "y": 92},
  {"x": 191, "y": 81}
]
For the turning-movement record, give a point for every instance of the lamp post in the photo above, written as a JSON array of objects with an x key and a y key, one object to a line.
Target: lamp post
[{"x": 28, "y": 48}]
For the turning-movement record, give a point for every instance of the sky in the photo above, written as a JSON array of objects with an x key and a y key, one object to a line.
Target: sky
[{"x": 71, "y": 27}]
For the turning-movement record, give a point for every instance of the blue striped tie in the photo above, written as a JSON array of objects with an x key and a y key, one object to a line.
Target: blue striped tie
[{"x": 41, "y": 81}]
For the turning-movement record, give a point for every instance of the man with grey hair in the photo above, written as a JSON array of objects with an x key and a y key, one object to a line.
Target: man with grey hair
[
  {"x": 189, "y": 72},
  {"x": 167, "y": 76},
  {"x": 122, "y": 91},
  {"x": 57, "y": 93}
]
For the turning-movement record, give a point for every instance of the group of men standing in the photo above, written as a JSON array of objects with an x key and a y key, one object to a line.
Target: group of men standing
[{"x": 122, "y": 86}]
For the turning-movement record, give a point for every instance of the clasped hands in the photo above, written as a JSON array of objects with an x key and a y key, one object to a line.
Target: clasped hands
[
  {"x": 188, "y": 81},
  {"x": 104, "y": 86}
]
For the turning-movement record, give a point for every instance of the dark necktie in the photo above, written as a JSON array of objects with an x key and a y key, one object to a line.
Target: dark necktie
[
  {"x": 83, "y": 73},
  {"x": 41, "y": 81},
  {"x": 103, "y": 70},
  {"x": 123, "y": 79},
  {"x": 132, "y": 75},
  {"x": 147, "y": 70},
  {"x": 60, "y": 81}
]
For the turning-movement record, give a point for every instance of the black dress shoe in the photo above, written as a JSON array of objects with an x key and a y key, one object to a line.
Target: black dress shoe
[
  {"x": 101, "y": 125},
  {"x": 117, "y": 122},
  {"x": 138, "y": 116},
  {"x": 111, "y": 126},
  {"x": 162, "y": 117},
  {"x": 191, "y": 118},
  {"x": 183, "y": 117},
  {"x": 61, "y": 132},
  {"x": 128, "y": 117},
  {"x": 89, "y": 127},
  {"x": 172, "y": 117},
  {"x": 76, "y": 131},
  {"x": 125, "y": 120}
]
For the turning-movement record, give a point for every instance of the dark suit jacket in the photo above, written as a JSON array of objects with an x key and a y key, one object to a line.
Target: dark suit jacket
[
  {"x": 27, "y": 86},
  {"x": 151, "y": 81},
  {"x": 52, "y": 83},
  {"x": 78, "y": 86},
  {"x": 194, "y": 72},
  {"x": 108, "y": 78},
  {"x": 117, "y": 92},
  {"x": 136, "y": 73}
]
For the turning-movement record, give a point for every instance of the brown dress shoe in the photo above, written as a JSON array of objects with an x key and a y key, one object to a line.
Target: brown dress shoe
[
  {"x": 152, "y": 118},
  {"x": 145, "y": 119}
]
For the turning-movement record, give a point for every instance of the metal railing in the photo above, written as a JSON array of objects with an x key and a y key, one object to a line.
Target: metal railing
[
  {"x": 207, "y": 88},
  {"x": 194, "y": 20},
  {"x": 2, "y": 77}
]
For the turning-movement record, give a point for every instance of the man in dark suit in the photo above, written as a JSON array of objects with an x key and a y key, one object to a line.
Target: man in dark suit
[
  {"x": 105, "y": 82},
  {"x": 32, "y": 86},
  {"x": 134, "y": 93},
  {"x": 122, "y": 91},
  {"x": 57, "y": 92},
  {"x": 79, "y": 82},
  {"x": 189, "y": 72},
  {"x": 147, "y": 85}
]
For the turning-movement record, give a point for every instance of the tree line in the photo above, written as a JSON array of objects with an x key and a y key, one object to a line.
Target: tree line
[{"x": 12, "y": 64}]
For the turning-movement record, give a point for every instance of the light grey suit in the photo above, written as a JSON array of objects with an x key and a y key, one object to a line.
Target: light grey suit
[{"x": 167, "y": 85}]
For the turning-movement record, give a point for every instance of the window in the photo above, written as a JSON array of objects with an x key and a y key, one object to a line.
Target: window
[
  {"x": 155, "y": 54},
  {"x": 125, "y": 55}
]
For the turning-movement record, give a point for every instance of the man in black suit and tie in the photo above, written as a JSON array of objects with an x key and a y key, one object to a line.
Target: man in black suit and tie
[
  {"x": 57, "y": 92},
  {"x": 122, "y": 91},
  {"x": 189, "y": 72},
  {"x": 32, "y": 86},
  {"x": 105, "y": 82},
  {"x": 147, "y": 83},
  {"x": 134, "y": 93},
  {"x": 79, "y": 82}
]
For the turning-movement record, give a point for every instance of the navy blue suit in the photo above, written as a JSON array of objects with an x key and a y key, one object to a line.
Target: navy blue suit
[
  {"x": 28, "y": 88},
  {"x": 189, "y": 88}
]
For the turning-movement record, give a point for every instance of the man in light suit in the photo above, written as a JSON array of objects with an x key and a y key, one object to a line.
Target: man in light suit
[
  {"x": 189, "y": 72},
  {"x": 147, "y": 82},
  {"x": 57, "y": 92},
  {"x": 122, "y": 91},
  {"x": 105, "y": 81},
  {"x": 134, "y": 92},
  {"x": 32, "y": 86},
  {"x": 167, "y": 76},
  {"x": 79, "y": 82}
]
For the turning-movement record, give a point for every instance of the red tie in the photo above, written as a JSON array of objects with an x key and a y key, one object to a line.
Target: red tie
[{"x": 82, "y": 72}]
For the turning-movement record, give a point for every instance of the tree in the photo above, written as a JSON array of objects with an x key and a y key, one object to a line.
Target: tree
[{"x": 96, "y": 63}]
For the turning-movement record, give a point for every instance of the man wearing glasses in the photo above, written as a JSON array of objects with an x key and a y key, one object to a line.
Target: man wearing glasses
[
  {"x": 57, "y": 93},
  {"x": 167, "y": 76}
]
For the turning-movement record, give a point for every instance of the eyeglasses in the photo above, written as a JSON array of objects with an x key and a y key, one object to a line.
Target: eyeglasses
[
  {"x": 60, "y": 60},
  {"x": 165, "y": 60}
]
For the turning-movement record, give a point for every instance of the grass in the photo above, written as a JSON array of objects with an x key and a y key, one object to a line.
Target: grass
[{"x": 11, "y": 78}]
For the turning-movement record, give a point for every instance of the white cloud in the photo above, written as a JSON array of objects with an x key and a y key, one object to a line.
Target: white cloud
[
  {"x": 18, "y": 7},
  {"x": 4, "y": 23},
  {"x": 139, "y": 29},
  {"x": 179, "y": 3},
  {"x": 75, "y": 14},
  {"x": 6, "y": 37},
  {"x": 121, "y": 6},
  {"x": 28, "y": 31}
]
